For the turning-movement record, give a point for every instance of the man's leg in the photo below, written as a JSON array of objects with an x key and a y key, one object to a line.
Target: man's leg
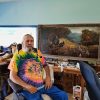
[
  {"x": 55, "y": 93},
  {"x": 30, "y": 96}
]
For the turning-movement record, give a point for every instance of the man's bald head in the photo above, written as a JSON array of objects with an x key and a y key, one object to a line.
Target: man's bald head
[{"x": 28, "y": 35}]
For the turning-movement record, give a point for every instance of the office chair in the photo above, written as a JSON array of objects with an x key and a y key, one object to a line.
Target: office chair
[
  {"x": 17, "y": 88},
  {"x": 92, "y": 80}
]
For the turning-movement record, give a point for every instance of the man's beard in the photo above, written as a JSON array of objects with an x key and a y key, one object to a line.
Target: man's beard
[{"x": 27, "y": 49}]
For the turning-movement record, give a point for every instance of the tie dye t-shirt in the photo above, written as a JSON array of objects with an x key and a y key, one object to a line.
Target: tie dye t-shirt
[{"x": 29, "y": 67}]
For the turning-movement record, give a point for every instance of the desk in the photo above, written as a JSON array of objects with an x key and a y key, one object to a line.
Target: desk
[{"x": 73, "y": 71}]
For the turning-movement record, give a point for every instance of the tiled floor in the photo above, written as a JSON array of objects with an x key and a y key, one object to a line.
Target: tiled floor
[{"x": 10, "y": 97}]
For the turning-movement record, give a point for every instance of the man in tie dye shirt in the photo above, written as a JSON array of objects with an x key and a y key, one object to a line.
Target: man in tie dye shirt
[{"x": 26, "y": 69}]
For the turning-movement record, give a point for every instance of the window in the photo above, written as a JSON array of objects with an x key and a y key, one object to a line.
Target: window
[{"x": 11, "y": 34}]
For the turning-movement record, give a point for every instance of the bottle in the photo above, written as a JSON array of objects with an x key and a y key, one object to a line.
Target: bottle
[{"x": 77, "y": 92}]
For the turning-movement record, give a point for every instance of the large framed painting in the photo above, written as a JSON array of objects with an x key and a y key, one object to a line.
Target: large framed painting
[{"x": 79, "y": 41}]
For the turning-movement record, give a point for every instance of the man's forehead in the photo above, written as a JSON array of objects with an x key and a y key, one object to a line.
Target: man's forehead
[{"x": 28, "y": 38}]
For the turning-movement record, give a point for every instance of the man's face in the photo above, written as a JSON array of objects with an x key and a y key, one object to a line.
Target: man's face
[{"x": 28, "y": 43}]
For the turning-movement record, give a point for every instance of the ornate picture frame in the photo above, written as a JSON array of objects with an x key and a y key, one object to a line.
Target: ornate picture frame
[{"x": 70, "y": 41}]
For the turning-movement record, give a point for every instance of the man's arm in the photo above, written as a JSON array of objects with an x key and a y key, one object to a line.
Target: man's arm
[
  {"x": 48, "y": 82},
  {"x": 17, "y": 80}
]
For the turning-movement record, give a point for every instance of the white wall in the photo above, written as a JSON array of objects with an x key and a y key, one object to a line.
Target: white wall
[{"x": 33, "y": 12}]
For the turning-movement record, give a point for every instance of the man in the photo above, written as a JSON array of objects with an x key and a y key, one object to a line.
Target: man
[{"x": 26, "y": 69}]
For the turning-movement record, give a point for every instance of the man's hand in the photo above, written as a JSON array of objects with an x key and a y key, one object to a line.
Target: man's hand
[
  {"x": 31, "y": 88},
  {"x": 48, "y": 83}
]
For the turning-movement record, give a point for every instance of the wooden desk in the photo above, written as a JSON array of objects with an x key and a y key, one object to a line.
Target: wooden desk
[{"x": 73, "y": 71}]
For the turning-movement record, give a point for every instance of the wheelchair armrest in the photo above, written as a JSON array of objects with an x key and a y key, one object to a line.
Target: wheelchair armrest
[{"x": 15, "y": 87}]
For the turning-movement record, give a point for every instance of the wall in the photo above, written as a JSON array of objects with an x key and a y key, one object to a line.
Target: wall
[{"x": 33, "y": 12}]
